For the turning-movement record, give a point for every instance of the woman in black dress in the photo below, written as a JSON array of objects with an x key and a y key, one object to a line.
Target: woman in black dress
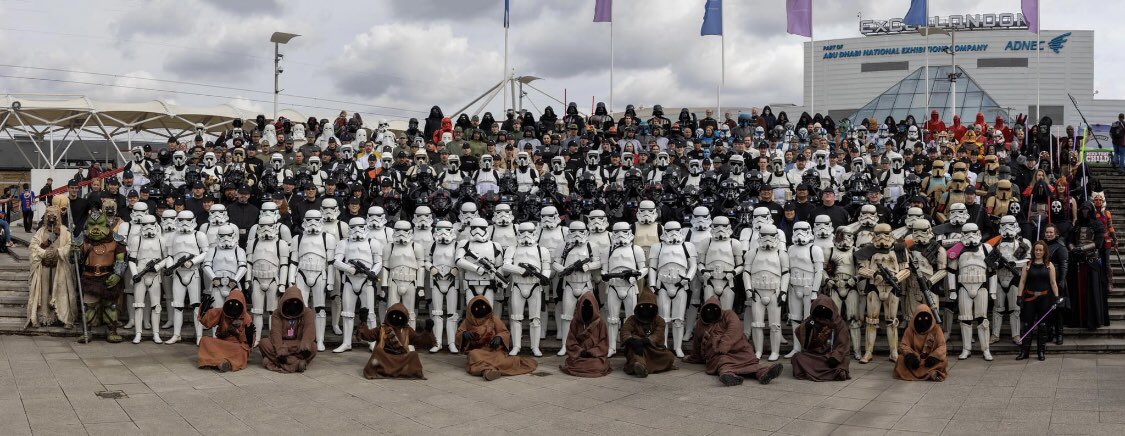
[
  {"x": 1038, "y": 290},
  {"x": 1086, "y": 276}
]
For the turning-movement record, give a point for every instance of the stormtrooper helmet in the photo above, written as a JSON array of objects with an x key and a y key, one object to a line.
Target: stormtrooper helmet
[
  {"x": 314, "y": 164},
  {"x": 149, "y": 228},
  {"x": 217, "y": 215},
  {"x": 525, "y": 234},
  {"x": 443, "y": 232},
  {"x": 622, "y": 234},
  {"x": 897, "y": 161},
  {"x": 958, "y": 214},
  {"x": 268, "y": 228},
  {"x": 593, "y": 158},
  {"x": 347, "y": 151},
  {"x": 970, "y": 235},
  {"x": 423, "y": 217},
  {"x": 661, "y": 159},
  {"x": 821, "y": 158},
  {"x": 549, "y": 217},
  {"x": 168, "y": 221},
  {"x": 884, "y": 132},
  {"x": 672, "y": 234},
  {"x": 140, "y": 210},
  {"x": 769, "y": 239},
  {"x": 1014, "y": 208},
  {"x": 599, "y": 223},
  {"x": 478, "y": 229},
  {"x": 822, "y": 227},
  {"x": 269, "y": 209},
  {"x": 761, "y": 218},
  {"x": 1009, "y": 228},
  {"x": 523, "y": 160},
  {"x": 759, "y": 133},
  {"x": 376, "y": 218},
  {"x": 626, "y": 159},
  {"x": 646, "y": 212},
  {"x": 454, "y": 163},
  {"x": 313, "y": 222},
  {"x": 700, "y": 218},
  {"x": 883, "y": 238},
  {"x": 228, "y": 236},
  {"x": 802, "y": 233},
  {"x": 209, "y": 159},
  {"x": 695, "y": 167},
  {"x": 179, "y": 158},
  {"x": 357, "y": 229},
  {"x": 404, "y": 232},
  {"x": 720, "y": 228},
  {"x": 558, "y": 164},
  {"x": 844, "y": 239},
  {"x": 868, "y": 215},
  {"x": 912, "y": 133},
  {"x": 486, "y": 162},
  {"x": 468, "y": 212},
  {"x": 502, "y": 215},
  {"x": 330, "y": 209},
  {"x": 138, "y": 154},
  {"x": 578, "y": 233},
  {"x": 913, "y": 214},
  {"x": 737, "y": 164},
  {"x": 277, "y": 161},
  {"x": 921, "y": 231}
]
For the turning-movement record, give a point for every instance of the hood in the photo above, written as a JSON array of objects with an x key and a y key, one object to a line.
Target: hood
[
  {"x": 600, "y": 109},
  {"x": 980, "y": 118},
  {"x": 528, "y": 119},
  {"x": 999, "y": 121},
  {"x": 956, "y": 121},
  {"x": 236, "y": 295},
  {"x": 803, "y": 120},
  {"x": 685, "y": 115},
  {"x": 782, "y": 118},
  {"x": 646, "y": 296},
  {"x": 922, "y": 308},
  {"x": 713, "y": 301},
  {"x": 572, "y": 109},
  {"x": 826, "y": 301},
  {"x": 435, "y": 113},
  {"x": 588, "y": 296},
  {"x": 397, "y": 307},
  {"x": 549, "y": 113},
  {"x": 910, "y": 120},
  {"x": 469, "y": 313},
  {"x": 446, "y": 124},
  {"x": 487, "y": 118},
  {"x": 1046, "y": 121},
  {"x": 767, "y": 111},
  {"x": 934, "y": 115},
  {"x": 630, "y": 110},
  {"x": 464, "y": 122},
  {"x": 658, "y": 111},
  {"x": 293, "y": 293}
]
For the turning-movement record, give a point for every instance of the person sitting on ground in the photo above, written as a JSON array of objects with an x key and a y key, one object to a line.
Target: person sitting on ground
[
  {"x": 291, "y": 344},
  {"x": 642, "y": 337},
  {"x": 393, "y": 354},
  {"x": 229, "y": 350},
  {"x": 587, "y": 343},
  {"x": 922, "y": 349},
  {"x": 718, "y": 343},
  {"x": 825, "y": 344},
  {"x": 486, "y": 340}
]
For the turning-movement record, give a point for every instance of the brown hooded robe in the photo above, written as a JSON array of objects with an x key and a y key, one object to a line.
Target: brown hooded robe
[
  {"x": 230, "y": 343},
  {"x": 656, "y": 357},
  {"x": 722, "y": 347},
  {"x": 392, "y": 356},
  {"x": 590, "y": 337},
  {"x": 291, "y": 340},
  {"x": 819, "y": 341},
  {"x": 925, "y": 344},
  {"x": 481, "y": 356}
]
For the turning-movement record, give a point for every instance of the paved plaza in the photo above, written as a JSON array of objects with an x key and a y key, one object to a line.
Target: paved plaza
[{"x": 50, "y": 385}]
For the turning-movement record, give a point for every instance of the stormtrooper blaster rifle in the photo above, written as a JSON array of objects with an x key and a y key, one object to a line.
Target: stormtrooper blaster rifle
[
  {"x": 150, "y": 267},
  {"x": 889, "y": 277},
  {"x": 363, "y": 269},
  {"x": 576, "y": 266},
  {"x": 531, "y": 270},
  {"x": 923, "y": 286},
  {"x": 489, "y": 269},
  {"x": 995, "y": 261},
  {"x": 179, "y": 263},
  {"x": 622, "y": 275}
]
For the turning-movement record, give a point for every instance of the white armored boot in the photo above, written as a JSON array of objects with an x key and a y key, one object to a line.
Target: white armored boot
[
  {"x": 154, "y": 320},
  {"x": 259, "y": 321},
  {"x": 137, "y": 313},
  {"x": 678, "y": 337},
  {"x": 451, "y": 333},
  {"x": 349, "y": 324},
  {"x": 198, "y": 325},
  {"x": 796, "y": 342},
  {"x": 516, "y": 329},
  {"x": 775, "y": 342},
  {"x": 534, "y": 332},
  {"x": 439, "y": 332},
  {"x": 892, "y": 339},
  {"x": 982, "y": 334},
  {"x": 614, "y": 325},
  {"x": 177, "y": 325},
  {"x": 758, "y": 335},
  {"x": 967, "y": 340},
  {"x": 320, "y": 323}
]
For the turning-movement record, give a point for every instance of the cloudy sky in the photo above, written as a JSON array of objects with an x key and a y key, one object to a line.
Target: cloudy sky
[{"x": 395, "y": 58}]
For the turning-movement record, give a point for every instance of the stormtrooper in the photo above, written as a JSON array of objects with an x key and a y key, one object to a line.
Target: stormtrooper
[
  {"x": 359, "y": 260},
  {"x": 821, "y": 159},
  {"x": 526, "y": 176},
  {"x": 912, "y": 137},
  {"x": 312, "y": 252},
  {"x": 405, "y": 263},
  {"x": 912, "y": 214},
  {"x": 766, "y": 283},
  {"x": 971, "y": 284},
  {"x": 423, "y": 222},
  {"x": 623, "y": 264},
  {"x": 778, "y": 180},
  {"x": 893, "y": 180},
  {"x": 806, "y": 273},
  {"x": 823, "y": 233},
  {"x": 347, "y": 168},
  {"x": 450, "y": 178},
  {"x": 529, "y": 266},
  {"x": 840, "y": 267},
  {"x": 268, "y": 254},
  {"x": 563, "y": 178},
  {"x": 185, "y": 251},
  {"x": 177, "y": 173},
  {"x": 269, "y": 209},
  {"x": 695, "y": 174},
  {"x": 883, "y": 272},
  {"x": 169, "y": 226},
  {"x": 146, "y": 262},
  {"x": 377, "y": 225},
  {"x": 330, "y": 213},
  {"x": 573, "y": 266},
  {"x": 593, "y": 168},
  {"x": 503, "y": 227},
  {"x": 139, "y": 165},
  {"x": 646, "y": 231},
  {"x": 926, "y": 261},
  {"x": 238, "y": 164},
  {"x": 217, "y": 218},
  {"x": 697, "y": 235},
  {"x": 211, "y": 173},
  {"x": 737, "y": 172},
  {"x": 864, "y": 227},
  {"x": 225, "y": 263},
  {"x": 750, "y": 235},
  {"x": 721, "y": 258},
  {"x": 658, "y": 171},
  {"x": 464, "y": 220},
  {"x": 442, "y": 264},
  {"x": 130, "y": 232},
  {"x": 1015, "y": 252},
  {"x": 316, "y": 174},
  {"x": 479, "y": 260},
  {"x": 280, "y": 172},
  {"x": 672, "y": 266},
  {"x": 950, "y": 232},
  {"x": 884, "y": 140},
  {"x": 486, "y": 178},
  {"x": 553, "y": 237}
]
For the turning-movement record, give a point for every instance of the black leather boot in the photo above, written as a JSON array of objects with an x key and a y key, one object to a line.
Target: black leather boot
[
  {"x": 1058, "y": 328},
  {"x": 1040, "y": 345}
]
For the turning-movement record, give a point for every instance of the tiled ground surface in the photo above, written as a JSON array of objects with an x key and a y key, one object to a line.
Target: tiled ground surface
[{"x": 48, "y": 386}]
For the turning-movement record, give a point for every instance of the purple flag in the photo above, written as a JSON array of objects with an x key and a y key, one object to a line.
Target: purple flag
[
  {"x": 800, "y": 17},
  {"x": 603, "y": 11},
  {"x": 1031, "y": 14}
]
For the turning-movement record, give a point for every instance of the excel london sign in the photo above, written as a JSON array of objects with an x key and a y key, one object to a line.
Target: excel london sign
[{"x": 953, "y": 22}]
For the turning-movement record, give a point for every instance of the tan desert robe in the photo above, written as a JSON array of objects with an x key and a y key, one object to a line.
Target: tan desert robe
[{"x": 52, "y": 294}]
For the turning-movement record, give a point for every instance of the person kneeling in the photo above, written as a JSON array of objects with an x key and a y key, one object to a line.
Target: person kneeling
[
  {"x": 642, "y": 338},
  {"x": 486, "y": 340},
  {"x": 393, "y": 354},
  {"x": 229, "y": 350},
  {"x": 587, "y": 342},
  {"x": 824, "y": 344},
  {"x": 291, "y": 344},
  {"x": 718, "y": 342},
  {"x": 922, "y": 349}
]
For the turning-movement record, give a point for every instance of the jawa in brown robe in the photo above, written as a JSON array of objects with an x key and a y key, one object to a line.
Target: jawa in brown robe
[
  {"x": 393, "y": 355},
  {"x": 642, "y": 338},
  {"x": 718, "y": 342},
  {"x": 229, "y": 350},
  {"x": 587, "y": 342},
  {"x": 824, "y": 344},
  {"x": 922, "y": 349},
  {"x": 291, "y": 344},
  {"x": 486, "y": 340}
]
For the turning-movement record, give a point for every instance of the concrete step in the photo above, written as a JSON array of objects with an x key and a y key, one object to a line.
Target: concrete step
[{"x": 8, "y": 311}]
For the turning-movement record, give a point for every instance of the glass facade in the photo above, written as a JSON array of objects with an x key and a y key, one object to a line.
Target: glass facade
[{"x": 908, "y": 97}]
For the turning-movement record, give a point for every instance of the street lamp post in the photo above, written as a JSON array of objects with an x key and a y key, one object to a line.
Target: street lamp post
[{"x": 277, "y": 39}]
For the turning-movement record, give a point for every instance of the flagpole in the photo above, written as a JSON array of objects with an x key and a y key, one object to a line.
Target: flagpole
[
  {"x": 1038, "y": 48},
  {"x": 722, "y": 73},
  {"x": 812, "y": 65},
  {"x": 611, "y": 62},
  {"x": 927, "y": 74},
  {"x": 503, "y": 82}
]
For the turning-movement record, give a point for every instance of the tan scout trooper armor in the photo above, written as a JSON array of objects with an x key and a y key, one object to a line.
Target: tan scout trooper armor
[{"x": 879, "y": 264}]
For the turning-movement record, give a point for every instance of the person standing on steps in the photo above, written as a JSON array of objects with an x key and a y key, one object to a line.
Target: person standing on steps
[{"x": 1038, "y": 290}]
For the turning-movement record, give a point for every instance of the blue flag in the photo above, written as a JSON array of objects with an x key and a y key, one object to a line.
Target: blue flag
[
  {"x": 712, "y": 18},
  {"x": 917, "y": 15},
  {"x": 507, "y": 7}
]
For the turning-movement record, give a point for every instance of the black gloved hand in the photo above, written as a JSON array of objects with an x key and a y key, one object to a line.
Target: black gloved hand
[
  {"x": 911, "y": 361},
  {"x": 631, "y": 344},
  {"x": 205, "y": 303},
  {"x": 931, "y": 361},
  {"x": 496, "y": 342},
  {"x": 250, "y": 331},
  {"x": 832, "y": 362},
  {"x": 362, "y": 317},
  {"x": 585, "y": 355},
  {"x": 429, "y": 325},
  {"x": 467, "y": 337}
]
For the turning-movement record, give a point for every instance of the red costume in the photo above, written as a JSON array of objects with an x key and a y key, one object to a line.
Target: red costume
[
  {"x": 957, "y": 129},
  {"x": 934, "y": 125}
]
